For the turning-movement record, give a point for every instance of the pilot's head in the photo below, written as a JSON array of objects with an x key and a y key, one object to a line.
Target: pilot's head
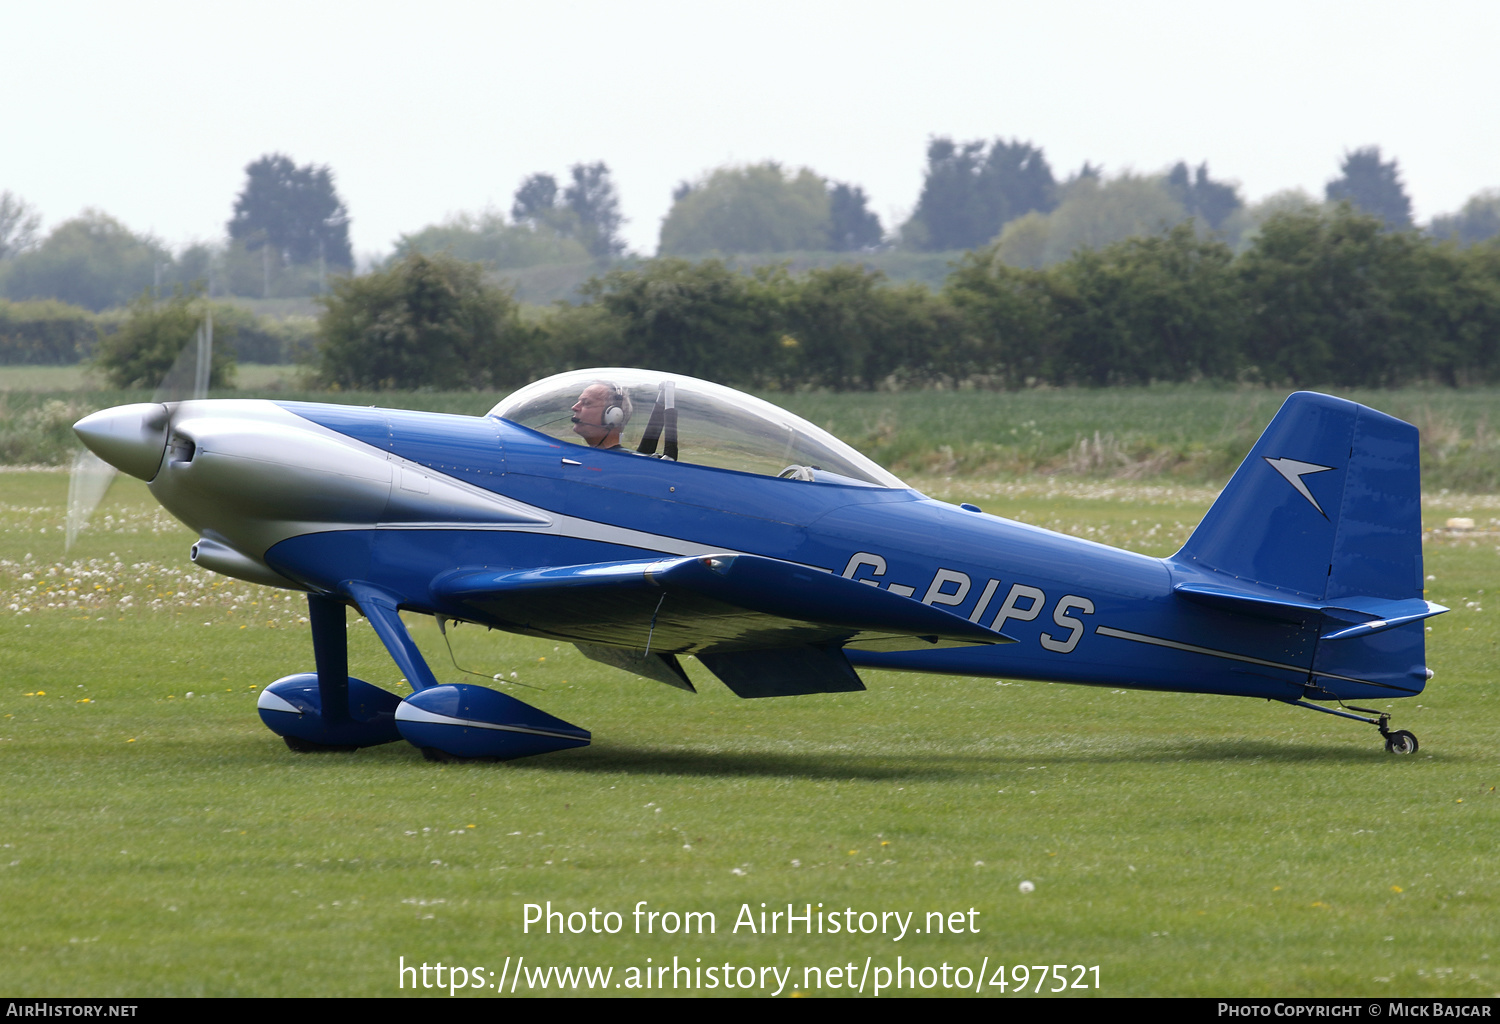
[{"x": 600, "y": 413}]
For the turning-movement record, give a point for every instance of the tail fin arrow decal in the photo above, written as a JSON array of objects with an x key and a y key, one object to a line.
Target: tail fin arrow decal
[{"x": 1294, "y": 471}]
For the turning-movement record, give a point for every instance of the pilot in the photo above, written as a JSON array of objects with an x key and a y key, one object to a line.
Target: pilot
[{"x": 601, "y": 413}]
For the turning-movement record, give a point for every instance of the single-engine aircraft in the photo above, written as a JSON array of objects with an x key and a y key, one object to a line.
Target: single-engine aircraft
[{"x": 645, "y": 516}]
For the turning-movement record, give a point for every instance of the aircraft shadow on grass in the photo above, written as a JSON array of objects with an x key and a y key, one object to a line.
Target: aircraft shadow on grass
[{"x": 609, "y": 759}]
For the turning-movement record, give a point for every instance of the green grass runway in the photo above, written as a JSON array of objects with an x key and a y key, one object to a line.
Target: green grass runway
[{"x": 153, "y": 843}]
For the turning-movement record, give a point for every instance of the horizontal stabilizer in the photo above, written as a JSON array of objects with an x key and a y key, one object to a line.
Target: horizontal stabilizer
[
  {"x": 1389, "y": 614},
  {"x": 717, "y": 603},
  {"x": 1283, "y": 607},
  {"x": 1368, "y": 615}
]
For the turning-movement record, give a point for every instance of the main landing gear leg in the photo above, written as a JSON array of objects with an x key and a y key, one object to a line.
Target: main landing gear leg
[
  {"x": 331, "y": 653},
  {"x": 1399, "y": 742},
  {"x": 328, "y": 710}
]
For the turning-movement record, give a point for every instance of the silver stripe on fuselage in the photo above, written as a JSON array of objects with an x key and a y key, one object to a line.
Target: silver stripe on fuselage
[
  {"x": 552, "y": 522},
  {"x": 259, "y": 536},
  {"x": 578, "y": 529},
  {"x": 1157, "y": 641}
]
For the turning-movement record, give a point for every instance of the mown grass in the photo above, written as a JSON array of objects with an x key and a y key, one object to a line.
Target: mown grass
[{"x": 153, "y": 843}]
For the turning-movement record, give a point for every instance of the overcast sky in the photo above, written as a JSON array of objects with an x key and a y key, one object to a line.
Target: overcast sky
[{"x": 151, "y": 110}]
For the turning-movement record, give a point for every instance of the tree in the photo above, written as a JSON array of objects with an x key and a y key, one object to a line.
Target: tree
[
  {"x": 1023, "y": 243},
  {"x": 969, "y": 193},
  {"x": 1243, "y": 225},
  {"x": 426, "y": 321},
  {"x": 486, "y": 238},
  {"x": 592, "y": 198},
  {"x": 1478, "y": 221},
  {"x": 92, "y": 261},
  {"x": 852, "y": 226},
  {"x": 949, "y": 213},
  {"x": 18, "y": 225},
  {"x": 1095, "y": 213},
  {"x": 589, "y": 213},
  {"x": 760, "y": 208},
  {"x": 153, "y": 335},
  {"x": 535, "y": 200},
  {"x": 294, "y": 211},
  {"x": 1018, "y": 172},
  {"x": 1210, "y": 201},
  {"x": 1373, "y": 186}
]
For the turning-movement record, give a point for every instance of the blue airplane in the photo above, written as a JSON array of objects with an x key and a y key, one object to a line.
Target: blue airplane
[{"x": 645, "y": 516}]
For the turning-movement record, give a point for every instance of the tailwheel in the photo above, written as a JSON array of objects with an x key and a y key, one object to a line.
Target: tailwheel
[
  {"x": 302, "y": 746},
  {"x": 1401, "y": 742},
  {"x": 1398, "y": 742}
]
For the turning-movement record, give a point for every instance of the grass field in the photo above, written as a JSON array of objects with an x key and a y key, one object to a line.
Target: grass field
[
  {"x": 155, "y": 839},
  {"x": 253, "y": 377}
]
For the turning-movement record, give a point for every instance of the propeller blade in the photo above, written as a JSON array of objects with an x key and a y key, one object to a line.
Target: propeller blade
[
  {"x": 187, "y": 379},
  {"x": 90, "y": 478},
  {"x": 190, "y": 372}
]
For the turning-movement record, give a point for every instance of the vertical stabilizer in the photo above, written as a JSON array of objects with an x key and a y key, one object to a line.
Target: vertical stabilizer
[
  {"x": 1327, "y": 509},
  {"x": 1327, "y": 505}
]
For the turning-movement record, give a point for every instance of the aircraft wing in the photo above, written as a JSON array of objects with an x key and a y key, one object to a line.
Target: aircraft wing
[{"x": 705, "y": 605}]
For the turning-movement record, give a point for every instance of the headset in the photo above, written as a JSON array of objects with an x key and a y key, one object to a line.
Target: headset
[{"x": 618, "y": 410}]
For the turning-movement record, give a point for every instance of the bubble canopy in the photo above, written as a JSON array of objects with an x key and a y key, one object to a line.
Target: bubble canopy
[{"x": 668, "y": 415}]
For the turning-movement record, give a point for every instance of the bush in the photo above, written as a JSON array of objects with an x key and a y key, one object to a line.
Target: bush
[
  {"x": 1154, "y": 308},
  {"x": 424, "y": 322},
  {"x": 1335, "y": 298},
  {"x": 37, "y": 429},
  {"x": 849, "y": 329},
  {"x": 45, "y": 333},
  {"x": 701, "y": 319},
  {"x": 262, "y": 339},
  {"x": 153, "y": 334}
]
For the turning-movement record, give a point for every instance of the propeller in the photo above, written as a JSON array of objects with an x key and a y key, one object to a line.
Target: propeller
[
  {"x": 87, "y": 482},
  {"x": 91, "y": 476}
]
